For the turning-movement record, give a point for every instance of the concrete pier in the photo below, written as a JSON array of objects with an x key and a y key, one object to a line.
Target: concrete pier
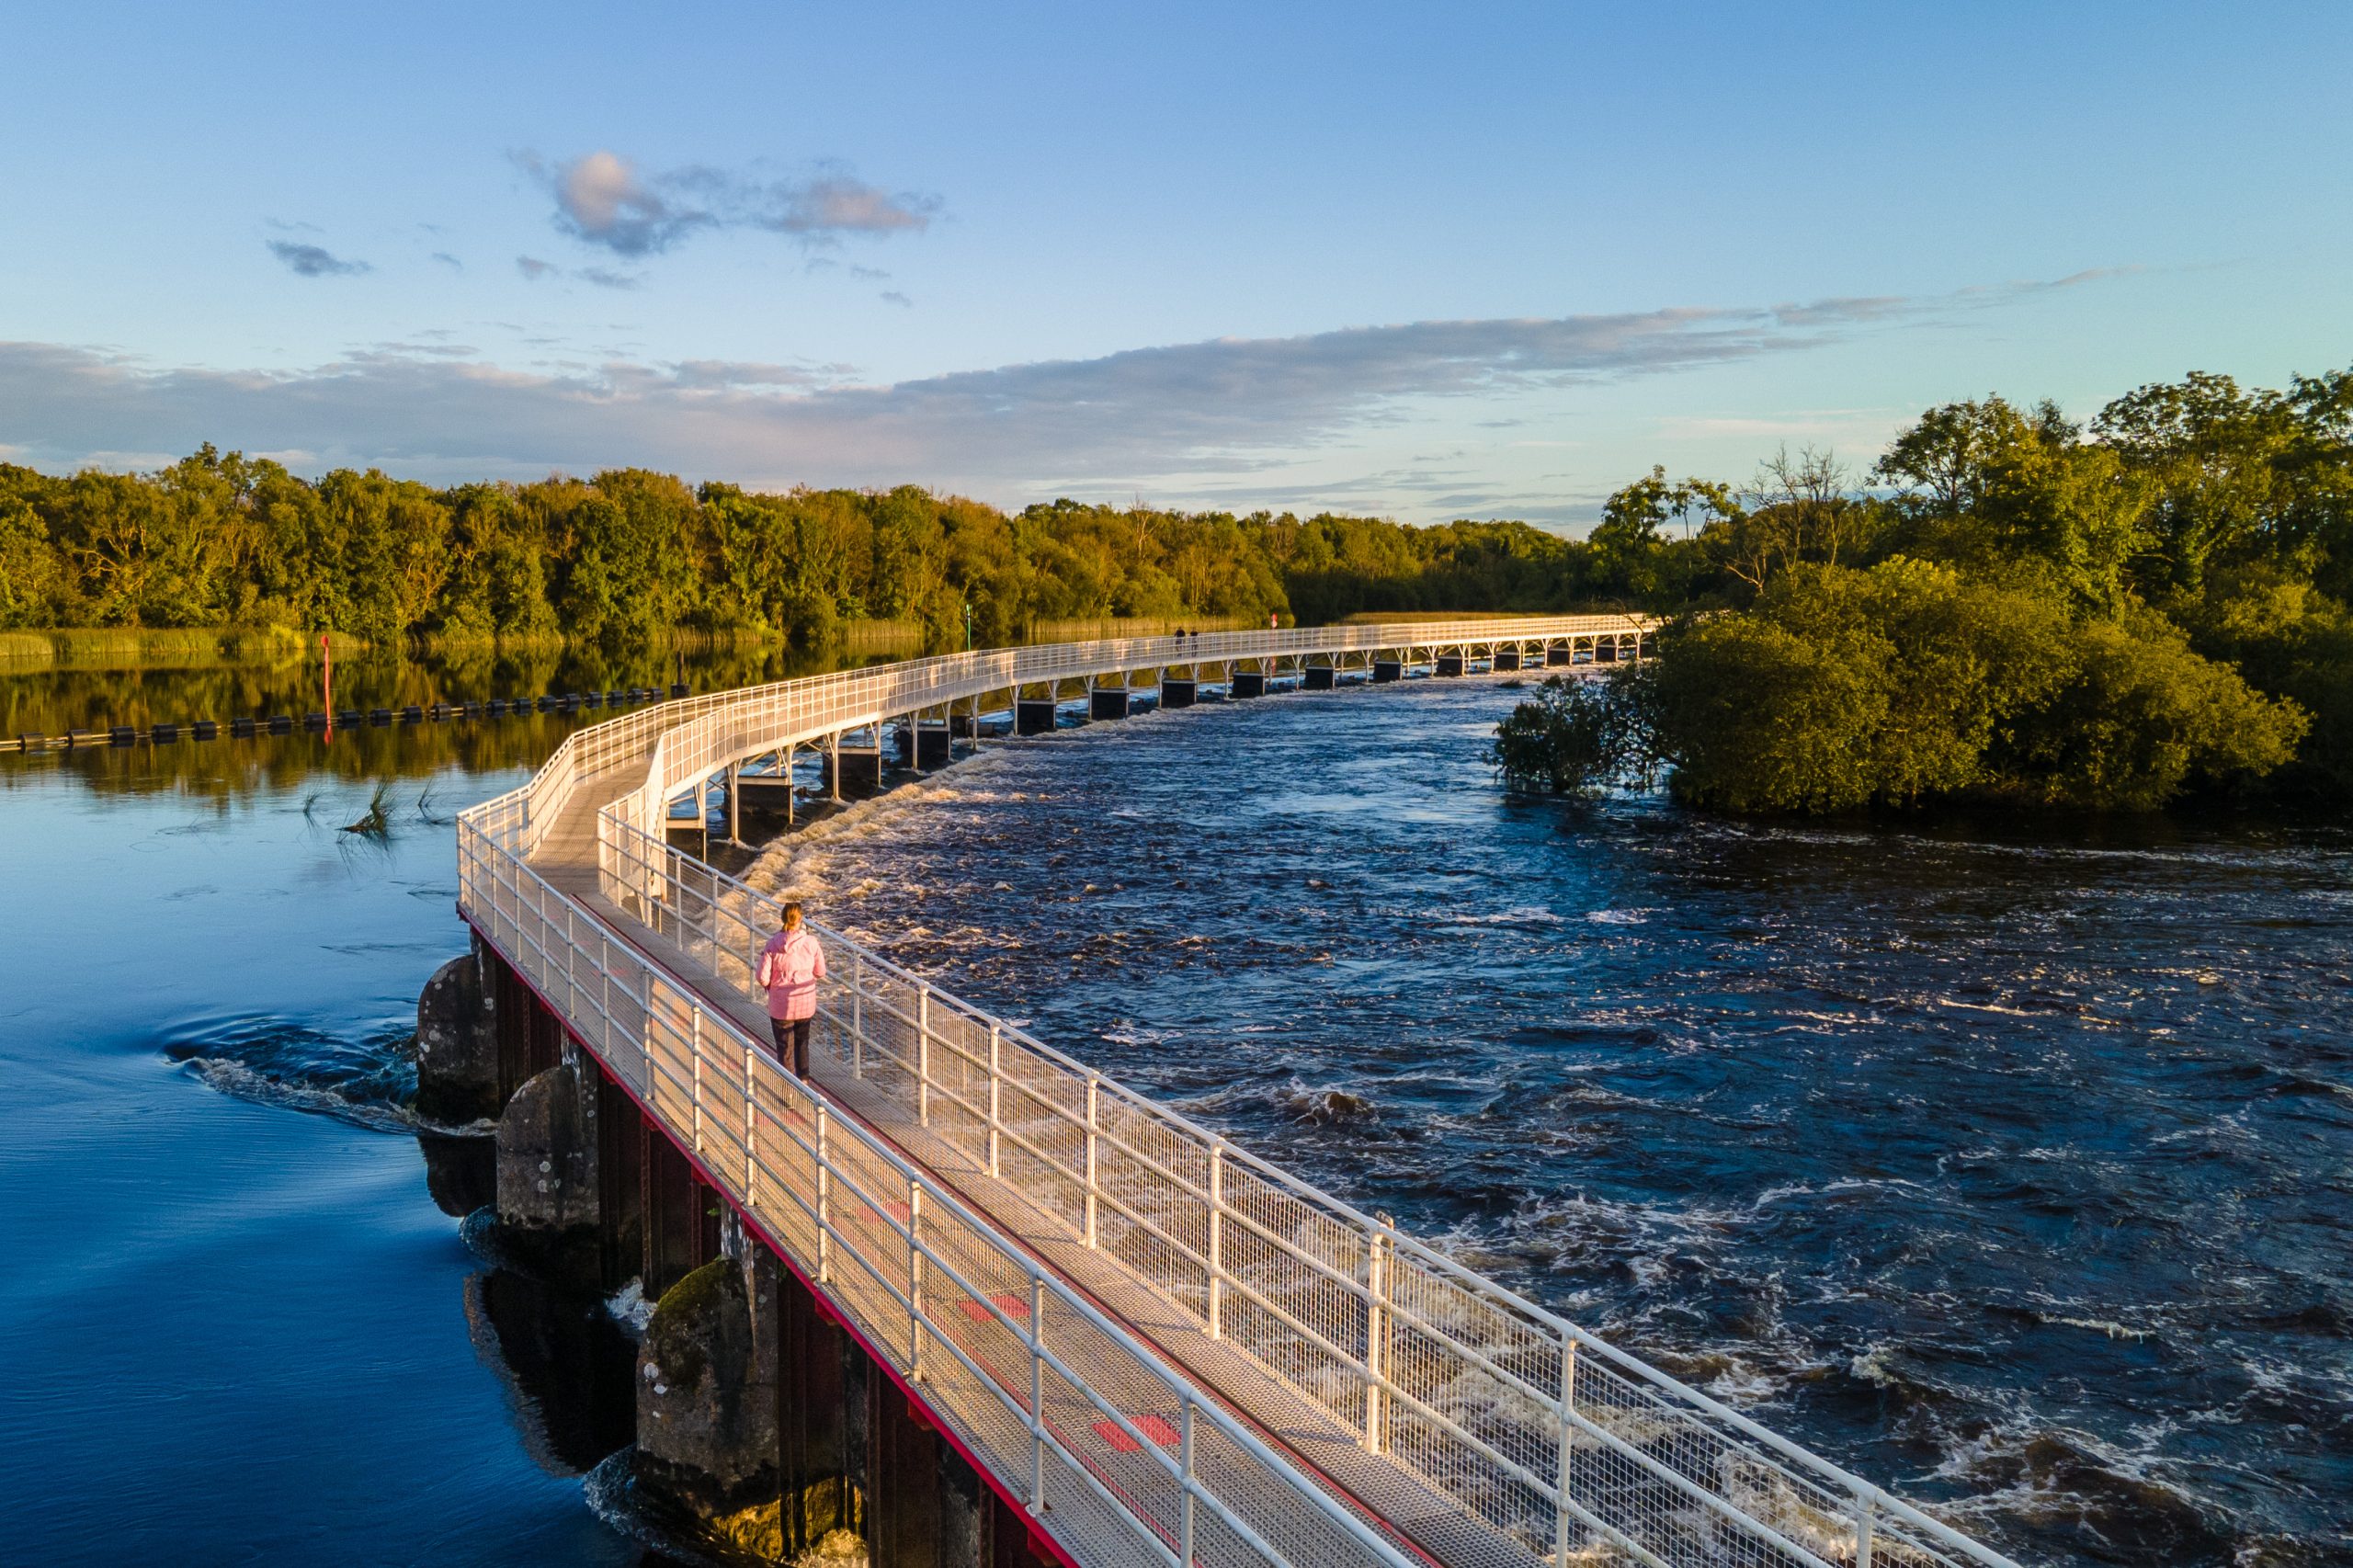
[
  {"x": 1605, "y": 651},
  {"x": 765, "y": 791},
  {"x": 1387, "y": 670},
  {"x": 1033, "y": 716},
  {"x": 458, "y": 1077},
  {"x": 1248, "y": 683},
  {"x": 548, "y": 1183},
  {"x": 1451, "y": 664},
  {"x": 924, "y": 746},
  {"x": 861, "y": 772},
  {"x": 1177, "y": 693},
  {"x": 1556, "y": 658},
  {"x": 1320, "y": 678},
  {"x": 1107, "y": 702},
  {"x": 1506, "y": 659}
]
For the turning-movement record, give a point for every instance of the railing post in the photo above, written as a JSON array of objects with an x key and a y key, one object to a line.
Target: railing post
[
  {"x": 1093, "y": 1094},
  {"x": 1217, "y": 1241},
  {"x": 825, "y": 1203},
  {"x": 915, "y": 1282},
  {"x": 1376, "y": 1336},
  {"x": 751, "y": 1162},
  {"x": 1037, "y": 1393},
  {"x": 1560, "y": 1516},
  {"x": 992, "y": 1097},
  {"x": 1865, "y": 1517},
  {"x": 1185, "y": 1448},
  {"x": 858, "y": 1015},
  {"x": 694, "y": 1046},
  {"x": 923, "y": 1057}
]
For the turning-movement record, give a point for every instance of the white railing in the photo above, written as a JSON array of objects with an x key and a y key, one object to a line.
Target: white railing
[
  {"x": 1119, "y": 1459},
  {"x": 1551, "y": 1443},
  {"x": 1413, "y": 1357},
  {"x": 762, "y": 719}
]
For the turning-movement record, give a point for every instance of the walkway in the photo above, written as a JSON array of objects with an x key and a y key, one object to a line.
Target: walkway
[{"x": 1161, "y": 1346}]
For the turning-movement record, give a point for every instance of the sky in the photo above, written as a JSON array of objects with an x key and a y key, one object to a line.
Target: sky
[{"x": 1422, "y": 261}]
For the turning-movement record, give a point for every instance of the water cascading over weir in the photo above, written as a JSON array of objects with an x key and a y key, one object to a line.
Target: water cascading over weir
[{"x": 961, "y": 1296}]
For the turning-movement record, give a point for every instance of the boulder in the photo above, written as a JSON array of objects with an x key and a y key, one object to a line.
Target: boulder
[
  {"x": 547, "y": 1174},
  {"x": 706, "y": 1417},
  {"x": 457, "y": 1047}
]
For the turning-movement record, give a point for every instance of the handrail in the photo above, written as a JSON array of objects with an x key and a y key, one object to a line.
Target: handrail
[
  {"x": 1536, "y": 1428},
  {"x": 774, "y": 1175}
]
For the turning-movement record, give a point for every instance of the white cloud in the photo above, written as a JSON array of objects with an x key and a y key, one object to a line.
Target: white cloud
[
  {"x": 1246, "y": 420},
  {"x": 312, "y": 261},
  {"x": 605, "y": 200}
]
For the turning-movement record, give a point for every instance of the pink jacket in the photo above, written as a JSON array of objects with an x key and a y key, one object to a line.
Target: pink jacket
[{"x": 791, "y": 966}]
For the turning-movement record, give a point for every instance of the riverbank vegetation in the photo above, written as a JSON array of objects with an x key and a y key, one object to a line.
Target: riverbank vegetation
[
  {"x": 631, "y": 558},
  {"x": 2009, "y": 606}
]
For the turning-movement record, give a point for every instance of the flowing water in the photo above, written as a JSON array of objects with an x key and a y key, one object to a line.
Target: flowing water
[
  {"x": 2002, "y": 1163},
  {"x": 1999, "y": 1164}
]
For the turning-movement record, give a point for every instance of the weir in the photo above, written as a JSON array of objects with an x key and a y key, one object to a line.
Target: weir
[{"x": 1123, "y": 1339}]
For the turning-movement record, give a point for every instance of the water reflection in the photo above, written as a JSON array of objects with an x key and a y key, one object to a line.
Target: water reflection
[{"x": 53, "y": 702}]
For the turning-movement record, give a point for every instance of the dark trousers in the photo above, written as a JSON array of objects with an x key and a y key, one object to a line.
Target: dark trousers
[{"x": 792, "y": 1043}]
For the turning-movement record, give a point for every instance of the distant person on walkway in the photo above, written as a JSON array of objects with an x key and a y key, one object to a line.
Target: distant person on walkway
[
  {"x": 1272, "y": 623},
  {"x": 791, "y": 966}
]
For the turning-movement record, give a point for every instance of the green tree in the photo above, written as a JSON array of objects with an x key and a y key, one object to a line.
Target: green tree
[
  {"x": 2140, "y": 715},
  {"x": 1570, "y": 738}
]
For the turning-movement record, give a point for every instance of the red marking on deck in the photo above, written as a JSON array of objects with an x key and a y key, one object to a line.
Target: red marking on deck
[
  {"x": 1010, "y": 1304},
  {"x": 1152, "y": 1426}
]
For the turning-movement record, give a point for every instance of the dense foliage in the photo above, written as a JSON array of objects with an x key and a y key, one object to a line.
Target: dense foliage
[
  {"x": 2012, "y": 606},
  {"x": 2006, "y": 604},
  {"x": 1571, "y": 738},
  {"x": 630, "y": 556}
]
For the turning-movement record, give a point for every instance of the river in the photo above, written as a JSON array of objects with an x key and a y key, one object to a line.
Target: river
[{"x": 2002, "y": 1163}]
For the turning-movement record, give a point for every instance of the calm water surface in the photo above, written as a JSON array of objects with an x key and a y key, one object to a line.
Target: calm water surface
[{"x": 2006, "y": 1167}]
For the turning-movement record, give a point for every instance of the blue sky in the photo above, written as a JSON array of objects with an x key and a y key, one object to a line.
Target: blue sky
[{"x": 1425, "y": 261}]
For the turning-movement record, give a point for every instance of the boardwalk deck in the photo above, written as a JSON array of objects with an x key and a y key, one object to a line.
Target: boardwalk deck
[{"x": 1377, "y": 1405}]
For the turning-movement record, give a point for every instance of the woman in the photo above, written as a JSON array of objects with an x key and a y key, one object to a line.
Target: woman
[{"x": 791, "y": 966}]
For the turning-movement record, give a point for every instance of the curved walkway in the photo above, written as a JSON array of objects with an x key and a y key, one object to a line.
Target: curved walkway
[{"x": 1165, "y": 1349}]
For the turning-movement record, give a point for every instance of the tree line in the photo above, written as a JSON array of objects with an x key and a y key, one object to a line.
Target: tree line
[
  {"x": 2007, "y": 606},
  {"x": 631, "y": 557}
]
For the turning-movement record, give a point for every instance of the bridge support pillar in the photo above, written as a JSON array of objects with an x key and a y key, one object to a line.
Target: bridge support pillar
[
  {"x": 1107, "y": 702},
  {"x": 856, "y": 769},
  {"x": 1506, "y": 659},
  {"x": 1451, "y": 664},
  {"x": 820, "y": 1379},
  {"x": 680, "y": 1214},
  {"x": 1387, "y": 670},
  {"x": 1605, "y": 650},
  {"x": 458, "y": 1078},
  {"x": 766, "y": 792},
  {"x": 621, "y": 1184},
  {"x": 1320, "y": 678},
  {"x": 707, "y": 1408},
  {"x": 1033, "y": 716},
  {"x": 1248, "y": 683},
  {"x": 1177, "y": 693},
  {"x": 1557, "y": 658},
  {"x": 923, "y": 745},
  {"x": 548, "y": 1181}
]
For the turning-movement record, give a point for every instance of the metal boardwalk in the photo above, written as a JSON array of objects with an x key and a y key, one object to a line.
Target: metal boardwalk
[{"x": 1163, "y": 1347}]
